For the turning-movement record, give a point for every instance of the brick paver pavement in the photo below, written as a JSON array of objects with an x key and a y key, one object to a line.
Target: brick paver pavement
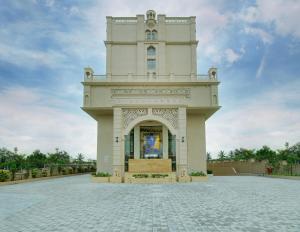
[{"x": 221, "y": 204}]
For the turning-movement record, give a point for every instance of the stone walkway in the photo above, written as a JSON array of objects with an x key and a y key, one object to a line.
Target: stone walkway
[{"x": 222, "y": 204}]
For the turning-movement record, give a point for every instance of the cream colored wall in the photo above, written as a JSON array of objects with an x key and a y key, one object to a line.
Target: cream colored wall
[
  {"x": 196, "y": 143},
  {"x": 178, "y": 59},
  {"x": 126, "y": 44},
  {"x": 124, "y": 59},
  {"x": 125, "y": 33},
  {"x": 105, "y": 143},
  {"x": 178, "y": 32}
]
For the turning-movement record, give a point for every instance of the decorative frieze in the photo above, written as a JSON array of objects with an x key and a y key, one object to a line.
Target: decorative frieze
[
  {"x": 170, "y": 114},
  {"x": 131, "y": 114},
  {"x": 184, "y": 92}
]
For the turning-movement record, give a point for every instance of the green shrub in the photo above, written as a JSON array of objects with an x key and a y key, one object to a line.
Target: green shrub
[
  {"x": 159, "y": 175},
  {"x": 197, "y": 174},
  {"x": 140, "y": 175},
  {"x": 209, "y": 172},
  {"x": 34, "y": 173},
  {"x": 102, "y": 174},
  {"x": 4, "y": 175}
]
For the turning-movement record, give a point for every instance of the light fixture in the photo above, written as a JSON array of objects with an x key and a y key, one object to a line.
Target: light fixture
[
  {"x": 182, "y": 139},
  {"x": 117, "y": 139}
]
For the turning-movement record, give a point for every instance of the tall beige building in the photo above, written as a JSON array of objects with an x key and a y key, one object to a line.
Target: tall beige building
[{"x": 151, "y": 103}]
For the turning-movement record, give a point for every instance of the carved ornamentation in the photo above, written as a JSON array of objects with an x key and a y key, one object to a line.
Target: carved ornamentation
[
  {"x": 170, "y": 114},
  {"x": 131, "y": 114},
  {"x": 184, "y": 92}
]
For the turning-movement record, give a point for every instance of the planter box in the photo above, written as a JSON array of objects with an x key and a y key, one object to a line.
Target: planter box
[
  {"x": 96, "y": 179},
  {"x": 115, "y": 179},
  {"x": 129, "y": 178},
  {"x": 199, "y": 178},
  {"x": 184, "y": 179},
  {"x": 163, "y": 180}
]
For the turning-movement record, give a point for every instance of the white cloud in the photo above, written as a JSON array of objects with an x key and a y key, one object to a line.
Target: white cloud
[
  {"x": 283, "y": 15},
  {"x": 31, "y": 58},
  {"x": 266, "y": 119},
  {"x": 232, "y": 56},
  {"x": 28, "y": 121},
  {"x": 264, "y": 36}
]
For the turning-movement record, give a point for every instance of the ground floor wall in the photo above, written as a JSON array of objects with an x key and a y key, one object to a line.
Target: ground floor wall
[
  {"x": 196, "y": 147},
  {"x": 188, "y": 131},
  {"x": 105, "y": 144}
]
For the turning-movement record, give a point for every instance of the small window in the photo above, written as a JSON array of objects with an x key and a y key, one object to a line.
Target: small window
[
  {"x": 151, "y": 64},
  {"x": 154, "y": 35},
  {"x": 150, "y": 51},
  {"x": 151, "y": 35},
  {"x": 148, "y": 35}
]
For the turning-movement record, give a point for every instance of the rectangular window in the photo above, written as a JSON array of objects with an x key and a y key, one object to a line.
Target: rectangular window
[{"x": 151, "y": 64}]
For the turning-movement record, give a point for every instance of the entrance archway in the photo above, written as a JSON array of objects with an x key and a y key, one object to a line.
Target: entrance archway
[{"x": 150, "y": 138}]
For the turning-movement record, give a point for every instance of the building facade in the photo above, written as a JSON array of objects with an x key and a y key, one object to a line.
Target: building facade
[{"x": 151, "y": 103}]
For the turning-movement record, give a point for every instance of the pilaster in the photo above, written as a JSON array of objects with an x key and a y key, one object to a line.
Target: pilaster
[
  {"x": 118, "y": 144},
  {"x": 165, "y": 143},
  {"x": 182, "y": 162},
  {"x": 137, "y": 142}
]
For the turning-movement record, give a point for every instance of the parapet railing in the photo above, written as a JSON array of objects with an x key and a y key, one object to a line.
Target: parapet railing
[
  {"x": 90, "y": 77},
  {"x": 124, "y": 19},
  {"x": 178, "y": 19}
]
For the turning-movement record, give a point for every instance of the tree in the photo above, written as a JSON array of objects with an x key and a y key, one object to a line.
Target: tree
[
  {"x": 59, "y": 157},
  {"x": 266, "y": 153},
  {"x": 291, "y": 155},
  {"x": 36, "y": 160},
  {"x": 80, "y": 158},
  {"x": 208, "y": 156},
  {"x": 221, "y": 156},
  {"x": 11, "y": 161}
]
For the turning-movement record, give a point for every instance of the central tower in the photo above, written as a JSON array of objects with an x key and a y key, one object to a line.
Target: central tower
[{"x": 151, "y": 104}]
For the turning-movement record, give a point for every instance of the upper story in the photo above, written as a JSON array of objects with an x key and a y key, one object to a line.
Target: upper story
[
  {"x": 151, "y": 45},
  {"x": 150, "y": 61}
]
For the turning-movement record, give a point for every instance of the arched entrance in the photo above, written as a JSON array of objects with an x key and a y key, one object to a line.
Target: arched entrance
[{"x": 147, "y": 138}]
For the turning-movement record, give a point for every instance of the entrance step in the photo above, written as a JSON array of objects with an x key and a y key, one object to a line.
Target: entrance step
[{"x": 150, "y": 178}]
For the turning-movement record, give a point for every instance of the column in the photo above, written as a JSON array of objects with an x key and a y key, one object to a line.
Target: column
[
  {"x": 137, "y": 142},
  {"x": 182, "y": 140},
  {"x": 118, "y": 159},
  {"x": 165, "y": 143}
]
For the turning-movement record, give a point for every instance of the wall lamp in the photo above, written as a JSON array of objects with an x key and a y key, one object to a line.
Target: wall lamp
[
  {"x": 182, "y": 139},
  {"x": 117, "y": 139}
]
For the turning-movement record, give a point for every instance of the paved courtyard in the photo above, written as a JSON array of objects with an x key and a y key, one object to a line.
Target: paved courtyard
[{"x": 222, "y": 204}]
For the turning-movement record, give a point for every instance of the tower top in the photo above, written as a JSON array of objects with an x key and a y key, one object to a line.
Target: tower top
[{"x": 151, "y": 18}]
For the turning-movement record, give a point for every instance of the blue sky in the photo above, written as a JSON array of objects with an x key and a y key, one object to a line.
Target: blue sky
[{"x": 45, "y": 44}]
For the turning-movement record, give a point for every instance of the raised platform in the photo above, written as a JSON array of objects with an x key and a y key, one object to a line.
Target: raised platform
[
  {"x": 134, "y": 178},
  {"x": 149, "y": 166}
]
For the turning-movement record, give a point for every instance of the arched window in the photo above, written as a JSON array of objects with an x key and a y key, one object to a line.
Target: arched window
[
  {"x": 151, "y": 35},
  {"x": 154, "y": 35},
  {"x": 148, "y": 35},
  {"x": 151, "y": 51}
]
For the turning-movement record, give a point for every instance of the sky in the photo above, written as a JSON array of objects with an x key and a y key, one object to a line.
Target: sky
[{"x": 45, "y": 44}]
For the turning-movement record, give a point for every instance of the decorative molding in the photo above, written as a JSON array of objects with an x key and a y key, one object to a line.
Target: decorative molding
[
  {"x": 185, "y": 92},
  {"x": 170, "y": 114},
  {"x": 131, "y": 114}
]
